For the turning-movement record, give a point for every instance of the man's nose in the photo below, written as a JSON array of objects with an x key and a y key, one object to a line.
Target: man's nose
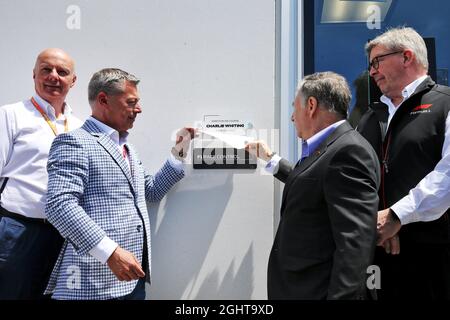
[
  {"x": 53, "y": 75},
  {"x": 372, "y": 71},
  {"x": 137, "y": 108},
  {"x": 292, "y": 117}
]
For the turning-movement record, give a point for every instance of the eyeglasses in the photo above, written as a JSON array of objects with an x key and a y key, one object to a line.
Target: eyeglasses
[{"x": 376, "y": 61}]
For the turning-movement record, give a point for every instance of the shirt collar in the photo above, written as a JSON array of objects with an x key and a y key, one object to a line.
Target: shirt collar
[
  {"x": 407, "y": 91},
  {"x": 48, "y": 108},
  {"x": 311, "y": 144},
  {"x": 411, "y": 88},
  {"x": 112, "y": 133}
]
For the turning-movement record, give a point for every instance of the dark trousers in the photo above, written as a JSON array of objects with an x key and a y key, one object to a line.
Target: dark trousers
[
  {"x": 28, "y": 252},
  {"x": 138, "y": 293},
  {"x": 419, "y": 272}
]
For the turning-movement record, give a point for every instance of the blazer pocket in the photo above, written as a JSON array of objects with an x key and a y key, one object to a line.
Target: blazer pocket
[{"x": 300, "y": 263}]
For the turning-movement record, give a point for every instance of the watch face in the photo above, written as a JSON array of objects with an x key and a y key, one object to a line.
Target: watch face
[{"x": 178, "y": 153}]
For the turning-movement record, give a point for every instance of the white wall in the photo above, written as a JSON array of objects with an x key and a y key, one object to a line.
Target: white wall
[{"x": 213, "y": 232}]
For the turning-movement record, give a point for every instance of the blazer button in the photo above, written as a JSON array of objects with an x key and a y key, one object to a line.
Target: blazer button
[{"x": 139, "y": 228}]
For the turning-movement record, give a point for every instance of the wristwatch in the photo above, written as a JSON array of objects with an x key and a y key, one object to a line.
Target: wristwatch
[
  {"x": 179, "y": 154},
  {"x": 269, "y": 156}
]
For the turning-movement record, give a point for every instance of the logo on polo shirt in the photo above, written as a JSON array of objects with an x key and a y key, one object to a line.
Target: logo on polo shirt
[{"x": 424, "y": 108}]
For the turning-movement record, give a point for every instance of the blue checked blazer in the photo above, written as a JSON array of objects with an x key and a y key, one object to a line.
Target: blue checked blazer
[{"x": 92, "y": 192}]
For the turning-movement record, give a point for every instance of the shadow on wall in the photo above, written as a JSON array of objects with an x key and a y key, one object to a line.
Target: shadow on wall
[
  {"x": 235, "y": 285},
  {"x": 181, "y": 237}
]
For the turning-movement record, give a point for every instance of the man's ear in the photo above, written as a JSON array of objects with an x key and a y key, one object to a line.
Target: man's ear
[
  {"x": 408, "y": 56},
  {"x": 102, "y": 99},
  {"x": 311, "y": 105},
  {"x": 74, "y": 79}
]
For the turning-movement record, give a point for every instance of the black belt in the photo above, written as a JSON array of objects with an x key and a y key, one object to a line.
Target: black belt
[{"x": 9, "y": 214}]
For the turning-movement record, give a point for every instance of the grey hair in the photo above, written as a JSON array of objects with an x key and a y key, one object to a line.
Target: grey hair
[
  {"x": 330, "y": 89},
  {"x": 402, "y": 38},
  {"x": 110, "y": 81}
]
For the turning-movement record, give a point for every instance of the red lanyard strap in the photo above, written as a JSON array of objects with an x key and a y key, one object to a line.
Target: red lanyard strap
[{"x": 47, "y": 119}]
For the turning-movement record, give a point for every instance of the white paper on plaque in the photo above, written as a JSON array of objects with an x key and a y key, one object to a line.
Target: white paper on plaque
[{"x": 233, "y": 140}]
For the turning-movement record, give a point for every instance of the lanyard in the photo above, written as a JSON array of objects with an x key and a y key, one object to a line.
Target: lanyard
[{"x": 47, "y": 119}]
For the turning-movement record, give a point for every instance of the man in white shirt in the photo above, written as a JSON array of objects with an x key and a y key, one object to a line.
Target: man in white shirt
[
  {"x": 29, "y": 245},
  {"x": 413, "y": 146}
]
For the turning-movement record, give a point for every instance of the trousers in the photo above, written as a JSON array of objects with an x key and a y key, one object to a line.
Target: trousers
[{"x": 28, "y": 251}]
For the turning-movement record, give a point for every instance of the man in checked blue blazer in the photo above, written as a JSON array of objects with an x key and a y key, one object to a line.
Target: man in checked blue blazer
[{"x": 97, "y": 193}]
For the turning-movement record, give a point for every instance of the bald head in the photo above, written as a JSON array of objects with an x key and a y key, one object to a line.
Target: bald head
[
  {"x": 54, "y": 75},
  {"x": 55, "y": 53}
]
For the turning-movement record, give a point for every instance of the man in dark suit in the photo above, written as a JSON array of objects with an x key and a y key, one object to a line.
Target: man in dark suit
[{"x": 326, "y": 236}]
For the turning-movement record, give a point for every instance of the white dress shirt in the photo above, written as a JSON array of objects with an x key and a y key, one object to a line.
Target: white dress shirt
[
  {"x": 105, "y": 248},
  {"x": 119, "y": 140},
  {"x": 25, "y": 141},
  {"x": 431, "y": 197}
]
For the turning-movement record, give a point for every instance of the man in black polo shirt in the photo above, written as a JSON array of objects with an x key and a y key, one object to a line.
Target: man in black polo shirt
[{"x": 410, "y": 130}]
